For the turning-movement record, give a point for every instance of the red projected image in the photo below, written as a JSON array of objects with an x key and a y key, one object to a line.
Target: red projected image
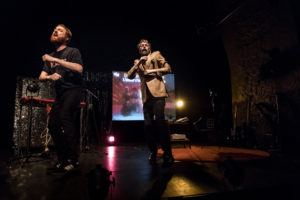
[{"x": 127, "y": 97}]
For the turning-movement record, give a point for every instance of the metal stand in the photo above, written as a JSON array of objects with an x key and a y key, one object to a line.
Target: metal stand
[
  {"x": 27, "y": 153},
  {"x": 85, "y": 117},
  {"x": 46, "y": 136}
]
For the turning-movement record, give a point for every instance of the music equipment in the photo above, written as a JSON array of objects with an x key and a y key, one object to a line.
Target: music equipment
[
  {"x": 31, "y": 101},
  {"x": 39, "y": 102}
]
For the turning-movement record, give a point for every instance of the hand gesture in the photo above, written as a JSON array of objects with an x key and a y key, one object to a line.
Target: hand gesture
[
  {"x": 51, "y": 59},
  {"x": 55, "y": 76},
  {"x": 48, "y": 58},
  {"x": 143, "y": 59},
  {"x": 146, "y": 72}
]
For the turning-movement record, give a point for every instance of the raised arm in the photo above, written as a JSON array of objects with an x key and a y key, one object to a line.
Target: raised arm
[
  {"x": 132, "y": 72},
  {"x": 70, "y": 65}
]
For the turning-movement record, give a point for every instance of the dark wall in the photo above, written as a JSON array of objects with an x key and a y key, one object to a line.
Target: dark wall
[{"x": 261, "y": 42}]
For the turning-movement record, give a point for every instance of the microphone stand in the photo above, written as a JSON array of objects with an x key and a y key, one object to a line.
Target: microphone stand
[{"x": 84, "y": 119}]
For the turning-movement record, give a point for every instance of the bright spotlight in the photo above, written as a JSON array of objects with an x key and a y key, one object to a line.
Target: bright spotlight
[
  {"x": 111, "y": 139},
  {"x": 179, "y": 103}
]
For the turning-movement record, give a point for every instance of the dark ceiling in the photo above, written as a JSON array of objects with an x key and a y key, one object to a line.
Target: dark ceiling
[{"x": 107, "y": 32}]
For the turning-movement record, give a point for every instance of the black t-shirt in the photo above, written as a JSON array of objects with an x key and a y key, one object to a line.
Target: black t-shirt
[{"x": 69, "y": 78}]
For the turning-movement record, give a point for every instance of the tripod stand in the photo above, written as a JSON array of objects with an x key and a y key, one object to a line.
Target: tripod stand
[{"x": 87, "y": 116}]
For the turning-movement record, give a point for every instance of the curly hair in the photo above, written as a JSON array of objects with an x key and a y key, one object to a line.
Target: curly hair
[{"x": 143, "y": 40}]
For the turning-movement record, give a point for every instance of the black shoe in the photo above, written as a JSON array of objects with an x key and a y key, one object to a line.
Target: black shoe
[
  {"x": 152, "y": 158},
  {"x": 70, "y": 165},
  {"x": 168, "y": 160},
  {"x": 58, "y": 166}
]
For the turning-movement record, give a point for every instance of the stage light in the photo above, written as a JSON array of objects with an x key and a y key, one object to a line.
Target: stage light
[
  {"x": 179, "y": 103},
  {"x": 111, "y": 139}
]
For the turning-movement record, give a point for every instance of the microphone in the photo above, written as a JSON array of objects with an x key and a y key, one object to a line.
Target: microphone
[{"x": 143, "y": 61}]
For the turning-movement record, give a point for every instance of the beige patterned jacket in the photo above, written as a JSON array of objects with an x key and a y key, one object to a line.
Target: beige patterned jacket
[{"x": 153, "y": 81}]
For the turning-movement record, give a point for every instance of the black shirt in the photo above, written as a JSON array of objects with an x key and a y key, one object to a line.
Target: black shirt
[{"x": 69, "y": 78}]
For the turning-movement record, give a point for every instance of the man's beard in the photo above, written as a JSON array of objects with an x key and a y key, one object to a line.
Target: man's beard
[
  {"x": 58, "y": 40},
  {"x": 144, "y": 52}
]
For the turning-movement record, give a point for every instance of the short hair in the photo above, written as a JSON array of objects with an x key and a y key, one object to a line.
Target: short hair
[
  {"x": 143, "y": 40},
  {"x": 68, "y": 32}
]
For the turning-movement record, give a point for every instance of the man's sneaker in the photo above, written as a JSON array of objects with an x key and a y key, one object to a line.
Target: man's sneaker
[
  {"x": 73, "y": 162},
  {"x": 58, "y": 166},
  {"x": 69, "y": 167}
]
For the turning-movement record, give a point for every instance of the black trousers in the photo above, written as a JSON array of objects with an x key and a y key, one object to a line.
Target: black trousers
[
  {"x": 64, "y": 124},
  {"x": 155, "y": 125}
]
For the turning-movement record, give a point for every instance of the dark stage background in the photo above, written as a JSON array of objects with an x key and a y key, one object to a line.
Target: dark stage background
[{"x": 187, "y": 34}]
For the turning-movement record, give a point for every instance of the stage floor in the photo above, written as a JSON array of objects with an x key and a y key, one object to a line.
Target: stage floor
[{"x": 200, "y": 172}]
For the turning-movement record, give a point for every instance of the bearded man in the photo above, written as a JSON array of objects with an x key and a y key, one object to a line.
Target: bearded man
[
  {"x": 64, "y": 67},
  {"x": 150, "y": 68}
]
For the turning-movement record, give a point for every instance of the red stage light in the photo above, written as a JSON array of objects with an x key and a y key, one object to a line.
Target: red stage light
[{"x": 111, "y": 139}]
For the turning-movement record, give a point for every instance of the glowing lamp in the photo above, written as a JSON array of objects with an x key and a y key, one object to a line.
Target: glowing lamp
[
  {"x": 179, "y": 103},
  {"x": 111, "y": 139}
]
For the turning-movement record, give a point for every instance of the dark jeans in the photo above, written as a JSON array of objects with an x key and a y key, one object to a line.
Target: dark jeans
[
  {"x": 64, "y": 124},
  {"x": 155, "y": 125}
]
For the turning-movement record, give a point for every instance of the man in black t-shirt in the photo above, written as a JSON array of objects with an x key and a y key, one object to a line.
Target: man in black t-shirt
[{"x": 64, "y": 67}]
